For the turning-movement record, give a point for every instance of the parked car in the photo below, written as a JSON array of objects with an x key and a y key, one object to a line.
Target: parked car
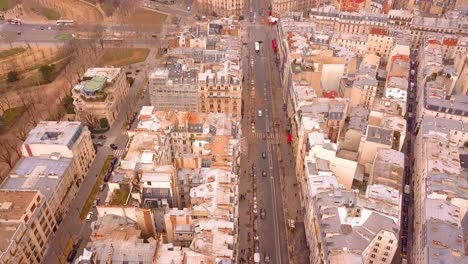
[
  {"x": 99, "y": 144},
  {"x": 264, "y": 174},
  {"x": 102, "y": 137},
  {"x": 96, "y": 202},
  {"x": 93, "y": 136},
  {"x": 89, "y": 216},
  {"x": 102, "y": 187},
  {"x": 262, "y": 213},
  {"x": 114, "y": 161},
  {"x": 71, "y": 256},
  {"x": 113, "y": 146},
  {"x": 107, "y": 177},
  {"x": 77, "y": 243},
  {"x": 263, "y": 155}
]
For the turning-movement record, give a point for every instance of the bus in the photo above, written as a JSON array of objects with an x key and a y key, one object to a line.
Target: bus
[
  {"x": 64, "y": 22},
  {"x": 257, "y": 46},
  {"x": 14, "y": 21},
  {"x": 273, "y": 45}
]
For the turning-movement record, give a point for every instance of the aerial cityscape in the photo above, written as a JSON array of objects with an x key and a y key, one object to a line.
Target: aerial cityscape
[{"x": 233, "y": 131}]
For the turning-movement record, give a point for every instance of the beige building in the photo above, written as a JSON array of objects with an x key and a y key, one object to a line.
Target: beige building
[
  {"x": 388, "y": 169},
  {"x": 179, "y": 227},
  {"x": 26, "y": 225},
  {"x": 222, "y": 7},
  {"x": 379, "y": 42},
  {"x": 281, "y": 6},
  {"x": 220, "y": 88},
  {"x": 374, "y": 139},
  {"x": 99, "y": 95},
  {"x": 68, "y": 139}
]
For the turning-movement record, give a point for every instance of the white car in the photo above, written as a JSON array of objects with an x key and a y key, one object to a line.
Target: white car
[
  {"x": 259, "y": 113},
  {"x": 89, "y": 216}
]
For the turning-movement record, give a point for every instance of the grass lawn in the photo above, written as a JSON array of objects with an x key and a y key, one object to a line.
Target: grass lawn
[
  {"x": 119, "y": 197},
  {"x": 147, "y": 17},
  {"x": 4, "y": 4},
  {"x": 11, "y": 52},
  {"x": 122, "y": 56},
  {"x": 10, "y": 115},
  {"x": 50, "y": 14},
  {"x": 95, "y": 190}
]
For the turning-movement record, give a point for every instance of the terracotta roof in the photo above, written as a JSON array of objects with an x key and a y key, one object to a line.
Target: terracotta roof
[{"x": 379, "y": 31}]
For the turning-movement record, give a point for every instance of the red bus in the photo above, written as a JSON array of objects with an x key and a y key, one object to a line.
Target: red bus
[
  {"x": 273, "y": 45},
  {"x": 14, "y": 21},
  {"x": 289, "y": 138}
]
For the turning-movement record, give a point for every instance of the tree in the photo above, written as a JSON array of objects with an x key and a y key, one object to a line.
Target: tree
[
  {"x": 103, "y": 122},
  {"x": 13, "y": 76},
  {"x": 47, "y": 72},
  {"x": 9, "y": 151}
]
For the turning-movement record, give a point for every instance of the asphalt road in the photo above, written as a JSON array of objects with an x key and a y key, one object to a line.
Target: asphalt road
[
  {"x": 72, "y": 226},
  {"x": 265, "y": 236}
]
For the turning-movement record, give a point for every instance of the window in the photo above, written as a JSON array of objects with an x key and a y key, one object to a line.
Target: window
[
  {"x": 385, "y": 254},
  {"x": 376, "y": 250},
  {"x": 33, "y": 207},
  {"x": 384, "y": 259},
  {"x": 377, "y": 244},
  {"x": 372, "y": 255},
  {"x": 390, "y": 241},
  {"x": 379, "y": 238},
  {"x": 388, "y": 247}
]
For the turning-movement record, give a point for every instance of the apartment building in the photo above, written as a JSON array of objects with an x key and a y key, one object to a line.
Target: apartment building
[
  {"x": 374, "y": 139},
  {"x": 54, "y": 176},
  {"x": 440, "y": 192},
  {"x": 63, "y": 139},
  {"x": 174, "y": 87},
  {"x": 380, "y": 42},
  {"x": 363, "y": 90},
  {"x": 221, "y": 7},
  {"x": 118, "y": 239},
  {"x": 281, "y": 6},
  {"x": 388, "y": 169},
  {"x": 220, "y": 88},
  {"x": 349, "y": 228},
  {"x": 99, "y": 96},
  {"x": 26, "y": 226},
  {"x": 179, "y": 227},
  {"x": 159, "y": 188}
]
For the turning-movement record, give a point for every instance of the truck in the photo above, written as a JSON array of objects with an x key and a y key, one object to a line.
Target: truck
[{"x": 257, "y": 46}]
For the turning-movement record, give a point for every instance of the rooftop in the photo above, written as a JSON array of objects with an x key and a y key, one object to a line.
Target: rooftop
[
  {"x": 379, "y": 135},
  {"x": 13, "y": 204},
  {"x": 109, "y": 74},
  {"x": 37, "y": 173},
  {"x": 55, "y": 133}
]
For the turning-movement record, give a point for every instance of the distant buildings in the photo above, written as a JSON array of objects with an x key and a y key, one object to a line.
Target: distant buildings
[
  {"x": 99, "y": 95},
  {"x": 222, "y": 7}
]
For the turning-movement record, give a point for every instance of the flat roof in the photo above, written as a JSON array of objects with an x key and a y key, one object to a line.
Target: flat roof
[
  {"x": 13, "y": 203},
  {"x": 379, "y": 135},
  {"x": 36, "y": 173},
  {"x": 7, "y": 230},
  {"x": 55, "y": 133},
  {"x": 109, "y": 73}
]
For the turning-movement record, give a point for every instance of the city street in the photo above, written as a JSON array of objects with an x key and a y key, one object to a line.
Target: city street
[
  {"x": 72, "y": 225},
  {"x": 269, "y": 195}
]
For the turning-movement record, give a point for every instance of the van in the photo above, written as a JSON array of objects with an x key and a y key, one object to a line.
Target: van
[
  {"x": 71, "y": 256},
  {"x": 259, "y": 113}
]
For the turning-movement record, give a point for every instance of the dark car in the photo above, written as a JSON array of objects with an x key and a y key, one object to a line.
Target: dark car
[
  {"x": 114, "y": 161},
  {"x": 19, "y": 33},
  {"x": 110, "y": 169},
  {"x": 93, "y": 136},
  {"x": 107, "y": 177},
  {"x": 102, "y": 137},
  {"x": 77, "y": 243},
  {"x": 113, "y": 146},
  {"x": 71, "y": 256}
]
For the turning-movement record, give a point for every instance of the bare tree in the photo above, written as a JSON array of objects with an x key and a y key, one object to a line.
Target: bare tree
[
  {"x": 5, "y": 103},
  {"x": 9, "y": 151},
  {"x": 21, "y": 132}
]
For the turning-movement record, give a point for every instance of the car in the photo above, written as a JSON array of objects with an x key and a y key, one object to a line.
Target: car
[
  {"x": 263, "y": 155},
  {"x": 114, "y": 161},
  {"x": 102, "y": 137},
  {"x": 110, "y": 169},
  {"x": 49, "y": 28},
  {"x": 71, "y": 256},
  {"x": 107, "y": 177},
  {"x": 267, "y": 258},
  {"x": 264, "y": 174},
  {"x": 102, "y": 187},
  {"x": 93, "y": 136},
  {"x": 89, "y": 216},
  {"x": 259, "y": 113},
  {"x": 77, "y": 243},
  {"x": 99, "y": 144},
  {"x": 19, "y": 33},
  {"x": 96, "y": 202},
  {"x": 255, "y": 211},
  {"x": 262, "y": 213},
  {"x": 113, "y": 146}
]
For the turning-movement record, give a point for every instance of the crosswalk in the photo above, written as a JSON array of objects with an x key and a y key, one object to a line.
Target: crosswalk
[
  {"x": 119, "y": 152},
  {"x": 263, "y": 135}
]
